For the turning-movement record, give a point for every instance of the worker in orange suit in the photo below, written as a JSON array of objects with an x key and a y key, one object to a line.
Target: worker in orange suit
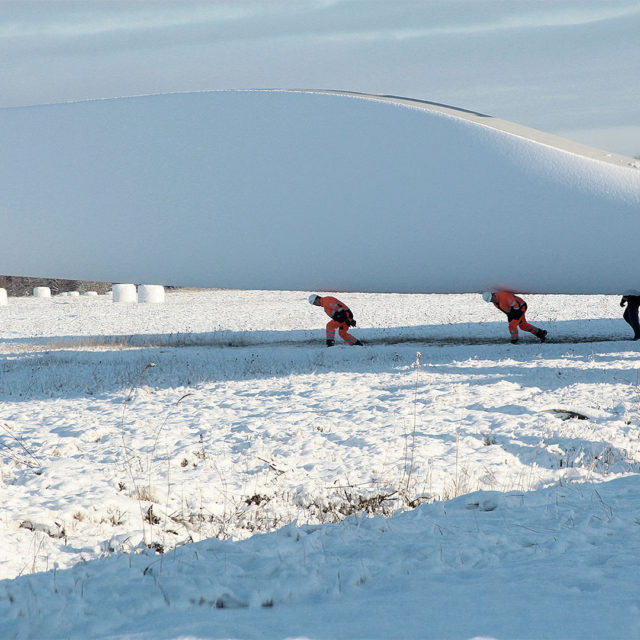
[
  {"x": 341, "y": 319},
  {"x": 515, "y": 307}
]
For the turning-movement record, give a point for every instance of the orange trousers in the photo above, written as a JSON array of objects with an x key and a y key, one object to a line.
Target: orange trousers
[
  {"x": 343, "y": 331},
  {"x": 523, "y": 324}
]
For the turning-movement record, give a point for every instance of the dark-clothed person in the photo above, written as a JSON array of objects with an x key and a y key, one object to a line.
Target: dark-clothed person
[{"x": 631, "y": 313}]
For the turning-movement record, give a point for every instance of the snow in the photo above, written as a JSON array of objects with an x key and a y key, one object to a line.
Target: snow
[
  {"x": 259, "y": 452},
  {"x": 205, "y": 468}
]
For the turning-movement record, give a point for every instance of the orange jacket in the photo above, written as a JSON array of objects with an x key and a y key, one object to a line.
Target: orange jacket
[
  {"x": 332, "y": 306},
  {"x": 508, "y": 302}
]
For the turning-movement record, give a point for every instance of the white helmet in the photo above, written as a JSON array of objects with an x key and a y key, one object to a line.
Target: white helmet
[
  {"x": 312, "y": 298},
  {"x": 486, "y": 296}
]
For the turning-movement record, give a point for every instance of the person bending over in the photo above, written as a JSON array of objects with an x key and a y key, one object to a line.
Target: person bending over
[
  {"x": 515, "y": 307},
  {"x": 341, "y": 319}
]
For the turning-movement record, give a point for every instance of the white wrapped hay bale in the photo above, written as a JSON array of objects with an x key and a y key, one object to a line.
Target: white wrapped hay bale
[
  {"x": 42, "y": 292},
  {"x": 125, "y": 293},
  {"x": 73, "y": 294},
  {"x": 3, "y": 297},
  {"x": 151, "y": 293},
  {"x": 90, "y": 293}
]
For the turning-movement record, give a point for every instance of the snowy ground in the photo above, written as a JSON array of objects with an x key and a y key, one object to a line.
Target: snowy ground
[
  {"x": 509, "y": 521},
  {"x": 220, "y": 414}
]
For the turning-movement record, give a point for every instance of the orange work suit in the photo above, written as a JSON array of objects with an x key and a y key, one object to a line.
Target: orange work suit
[
  {"x": 333, "y": 307},
  {"x": 515, "y": 307}
]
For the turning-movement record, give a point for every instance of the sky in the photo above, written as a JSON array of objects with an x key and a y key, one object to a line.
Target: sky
[{"x": 550, "y": 65}]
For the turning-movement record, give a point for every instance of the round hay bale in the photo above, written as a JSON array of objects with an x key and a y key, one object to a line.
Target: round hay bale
[
  {"x": 124, "y": 293},
  {"x": 151, "y": 293},
  {"x": 41, "y": 292},
  {"x": 3, "y": 297}
]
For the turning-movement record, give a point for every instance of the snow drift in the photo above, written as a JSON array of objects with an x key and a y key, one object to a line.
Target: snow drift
[{"x": 306, "y": 191}]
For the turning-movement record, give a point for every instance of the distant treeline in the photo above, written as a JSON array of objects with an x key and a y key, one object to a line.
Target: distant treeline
[{"x": 23, "y": 286}]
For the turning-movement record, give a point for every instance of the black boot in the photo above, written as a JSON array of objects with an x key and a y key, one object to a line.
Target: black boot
[
  {"x": 541, "y": 334},
  {"x": 357, "y": 343},
  {"x": 330, "y": 343}
]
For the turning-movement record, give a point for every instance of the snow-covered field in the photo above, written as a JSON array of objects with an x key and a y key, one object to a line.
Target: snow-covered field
[
  {"x": 206, "y": 468},
  {"x": 429, "y": 485}
]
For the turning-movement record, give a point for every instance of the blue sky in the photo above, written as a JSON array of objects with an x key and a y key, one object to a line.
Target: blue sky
[{"x": 569, "y": 68}]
